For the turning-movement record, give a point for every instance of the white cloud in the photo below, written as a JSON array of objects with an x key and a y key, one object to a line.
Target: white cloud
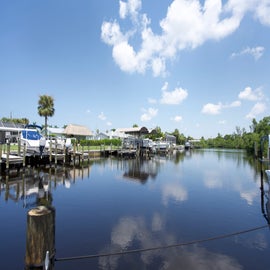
[
  {"x": 149, "y": 114},
  {"x": 214, "y": 109},
  {"x": 125, "y": 57},
  {"x": 102, "y": 116},
  {"x": 236, "y": 103},
  {"x": 211, "y": 108},
  {"x": 111, "y": 33},
  {"x": 256, "y": 52},
  {"x": 187, "y": 24},
  {"x": 174, "y": 97},
  {"x": 131, "y": 7},
  {"x": 249, "y": 94},
  {"x": 257, "y": 109},
  {"x": 165, "y": 86},
  {"x": 109, "y": 124},
  {"x": 177, "y": 118},
  {"x": 262, "y": 11}
]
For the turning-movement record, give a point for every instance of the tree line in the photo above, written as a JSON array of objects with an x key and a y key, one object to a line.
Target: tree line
[{"x": 240, "y": 139}]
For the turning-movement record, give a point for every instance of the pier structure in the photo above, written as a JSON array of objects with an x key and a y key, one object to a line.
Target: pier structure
[{"x": 16, "y": 160}]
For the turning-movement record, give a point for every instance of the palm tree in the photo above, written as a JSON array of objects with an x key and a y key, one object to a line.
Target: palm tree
[{"x": 46, "y": 108}]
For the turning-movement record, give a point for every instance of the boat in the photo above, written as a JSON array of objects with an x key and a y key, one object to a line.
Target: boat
[
  {"x": 32, "y": 140},
  {"x": 187, "y": 146},
  {"x": 55, "y": 144},
  {"x": 161, "y": 146}
]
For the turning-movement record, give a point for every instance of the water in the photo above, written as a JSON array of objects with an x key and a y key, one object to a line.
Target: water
[{"x": 117, "y": 205}]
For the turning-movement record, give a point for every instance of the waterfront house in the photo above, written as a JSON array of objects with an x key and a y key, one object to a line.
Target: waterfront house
[
  {"x": 9, "y": 131},
  {"x": 77, "y": 131},
  {"x": 136, "y": 132}
]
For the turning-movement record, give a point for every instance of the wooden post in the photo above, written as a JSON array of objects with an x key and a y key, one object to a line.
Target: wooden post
[
  {"x": 24, "y": 154},
  {"x": 55, "y": 152},
  {"x": 50, "y": 151},
  {"x": 74, "y": 153},
  {"x": 82, "y": 155},
  {"x": 19, "y": 147},
  {"x": 65, "y": 152},
  {"x": 40, "y": 237},
  {"x": 8, "y": 152}
]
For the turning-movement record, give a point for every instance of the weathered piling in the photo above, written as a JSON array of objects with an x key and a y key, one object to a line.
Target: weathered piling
[
  {"x": 40, "y": 237},
  {"x": 8, "y": 153},
  {"x": 24, "y": 155}
]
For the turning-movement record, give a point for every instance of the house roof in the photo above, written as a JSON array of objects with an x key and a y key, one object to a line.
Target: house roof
[
  {"x": 56, "y": 130},
  {"x": 10, "y": 125},
  {"x": 77, "y": 130}
]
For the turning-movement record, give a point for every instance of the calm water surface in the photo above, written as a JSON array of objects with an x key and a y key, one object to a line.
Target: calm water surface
[{"x": 114, "y": 205}]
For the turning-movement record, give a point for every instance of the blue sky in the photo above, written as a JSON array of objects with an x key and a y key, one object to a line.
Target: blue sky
[{"x": 199, "y": 66}]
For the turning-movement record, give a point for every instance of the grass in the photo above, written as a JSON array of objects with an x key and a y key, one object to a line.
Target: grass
[{"x": 14, "y": 147}]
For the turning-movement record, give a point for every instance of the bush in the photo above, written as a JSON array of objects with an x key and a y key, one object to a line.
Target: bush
[{"x": 107, "y": 142}]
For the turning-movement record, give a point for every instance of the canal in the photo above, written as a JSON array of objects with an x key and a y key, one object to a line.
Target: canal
[{"x": 203, "y": 209}]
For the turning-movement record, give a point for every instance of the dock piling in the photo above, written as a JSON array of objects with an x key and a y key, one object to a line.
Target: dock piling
[{"x": 40, "y": 236}]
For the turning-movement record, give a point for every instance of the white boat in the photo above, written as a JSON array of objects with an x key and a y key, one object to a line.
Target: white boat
[
  {"x": 32, "y": 140},
  {"x": 147, "y": 143},
  {"x": 187, "y": 145},
  {"x": 161, "y": 145}
]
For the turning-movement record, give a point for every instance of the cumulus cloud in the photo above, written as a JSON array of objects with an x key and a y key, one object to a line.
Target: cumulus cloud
[
  {"x": 130, "y": 7},
  {"x": 187, "y": 24},
  {"x": 252, "y": 95},
  {"x": 262, "y": 11},
  {"x": 256, "y": 52},
  {"x": 148, "y": 114},
  {"x": 257, "y": 109},
  {"x": 211, "y": 108},
  {"x": 174, "y": 97},
  {"x": 215, "y": 109}
]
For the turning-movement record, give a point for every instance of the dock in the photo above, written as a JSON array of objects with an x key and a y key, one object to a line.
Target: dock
[{"x": 12, "y": 160}]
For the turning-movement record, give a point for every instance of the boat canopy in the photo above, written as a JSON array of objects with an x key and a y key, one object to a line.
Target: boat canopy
[{"x": 31, "y": 135}]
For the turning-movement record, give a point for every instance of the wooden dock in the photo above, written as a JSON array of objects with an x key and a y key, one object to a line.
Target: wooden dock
[
  {"x": 10, "y": 160},
  {"x": 17, "y": 160}
]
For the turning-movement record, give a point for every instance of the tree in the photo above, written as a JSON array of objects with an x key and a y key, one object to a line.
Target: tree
[
  {"x": 46, "y": 108},
  {"x": 263, "y": 127},
  {"x": 24, "y": 121}
]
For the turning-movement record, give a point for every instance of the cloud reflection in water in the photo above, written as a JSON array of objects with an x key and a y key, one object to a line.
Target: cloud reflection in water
[{"x": 134, "y": 232}]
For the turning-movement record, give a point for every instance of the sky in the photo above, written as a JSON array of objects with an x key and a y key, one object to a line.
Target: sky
[{"x": 202, "y": 67}]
